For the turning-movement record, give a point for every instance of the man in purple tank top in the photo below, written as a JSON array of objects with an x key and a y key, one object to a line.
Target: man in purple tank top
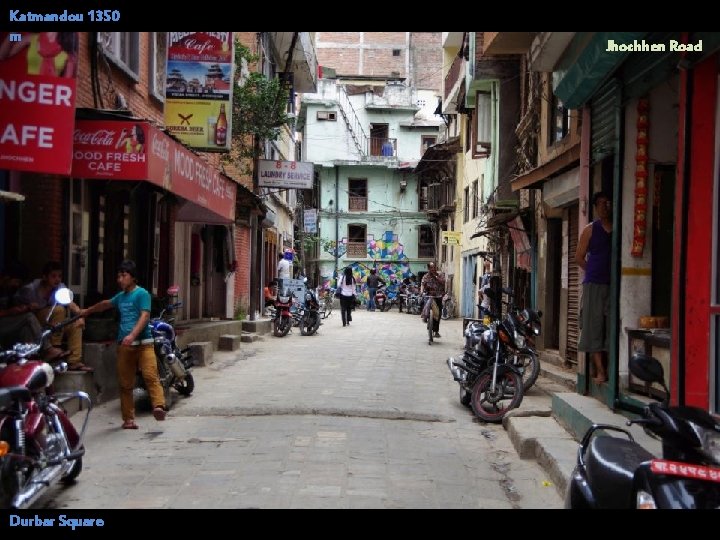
[{"x": 593, "y": 256}]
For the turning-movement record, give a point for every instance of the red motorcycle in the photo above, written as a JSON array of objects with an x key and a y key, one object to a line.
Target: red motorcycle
[
  {"x": 283, "y": 319},
  {"x": 380, "y": 298},
  {"x": 39, "y": 446}
]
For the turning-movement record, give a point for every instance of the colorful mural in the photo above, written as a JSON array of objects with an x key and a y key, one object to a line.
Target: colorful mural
[{"x": 386, "y": 248}]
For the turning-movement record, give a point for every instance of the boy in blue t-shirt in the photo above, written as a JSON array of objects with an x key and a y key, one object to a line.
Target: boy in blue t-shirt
[{"x": 135, "y": 344}]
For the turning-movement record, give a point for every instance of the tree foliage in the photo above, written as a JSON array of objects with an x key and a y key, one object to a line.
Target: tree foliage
[{"x": 259, "y": 107}]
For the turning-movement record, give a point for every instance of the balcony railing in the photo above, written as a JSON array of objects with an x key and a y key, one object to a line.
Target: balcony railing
[
  {"x": 453, "y": 74},
  {"x": 356, "y": 250},
  {"x": 357, "y": 204},
  {"x": 383, "y": 147}
]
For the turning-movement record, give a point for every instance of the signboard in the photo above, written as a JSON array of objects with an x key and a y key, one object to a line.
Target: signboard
[
  {"x": 37, "y": 100},
  {"x": 126, "y": 150},
  {"x": 198, "y": 89},
  {"x": 451, "y": 238},
  {"x": 285, "y": 174},
  {"x": 310, "y": 222}
]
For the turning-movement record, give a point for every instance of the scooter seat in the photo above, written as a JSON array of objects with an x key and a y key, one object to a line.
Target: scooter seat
[{"x": 610, "y": 463}]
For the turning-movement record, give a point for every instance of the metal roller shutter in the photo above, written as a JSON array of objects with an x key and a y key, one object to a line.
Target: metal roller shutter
[{"x": 573, "y": 286}]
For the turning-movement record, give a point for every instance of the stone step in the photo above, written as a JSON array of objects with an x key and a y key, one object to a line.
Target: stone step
[
  {"x": 229, "y": 342},
  {"x": 564, "y": 376},
  {"x": 249, "y": 337}
]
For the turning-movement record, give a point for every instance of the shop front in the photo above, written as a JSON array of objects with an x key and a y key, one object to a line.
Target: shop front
[{"x": 137, "y": 192}]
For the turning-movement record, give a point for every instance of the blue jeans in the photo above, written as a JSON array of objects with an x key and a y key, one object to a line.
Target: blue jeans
[{"x": 371, "y": 299}]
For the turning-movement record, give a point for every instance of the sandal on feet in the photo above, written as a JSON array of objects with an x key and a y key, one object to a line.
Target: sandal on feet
[
  {"x": 129, "y": 424},
  {"x": 159, "y": 413},
  {"x": 53, "y": 354},
  {"x": 80, "y": 367}
]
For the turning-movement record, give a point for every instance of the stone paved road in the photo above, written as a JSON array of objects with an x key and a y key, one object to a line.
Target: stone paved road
[{"x": 360, "y": 417}]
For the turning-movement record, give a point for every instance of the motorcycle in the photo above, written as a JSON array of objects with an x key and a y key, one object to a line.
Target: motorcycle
[
  {"x": 309, "y": 312},
  {"x": 488, "y": 382},
  {"x": 174, "y": 365},
  {"x": 39, "y": 445},
  {"x": 615, "y": 472},
  {"x": 283, "y": 320},
  {"x": 448, "y": 306},
  {"x": 380, "y": 298}
]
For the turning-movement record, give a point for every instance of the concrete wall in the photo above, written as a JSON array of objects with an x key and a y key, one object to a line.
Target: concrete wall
[{"x": 636, "y": 279}]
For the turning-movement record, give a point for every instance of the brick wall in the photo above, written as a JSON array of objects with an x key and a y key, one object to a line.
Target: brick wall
[
  {"x": 371, "y": 54},
  {"x": 43, "y": 228}
]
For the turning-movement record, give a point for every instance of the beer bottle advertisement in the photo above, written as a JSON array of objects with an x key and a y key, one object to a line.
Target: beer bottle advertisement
[{"x": 198, "y": 88}]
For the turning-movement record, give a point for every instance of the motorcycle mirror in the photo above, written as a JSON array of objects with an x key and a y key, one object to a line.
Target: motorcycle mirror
[{"x": 64, "y": 296}]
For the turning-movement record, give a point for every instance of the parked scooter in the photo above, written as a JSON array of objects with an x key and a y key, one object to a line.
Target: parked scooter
[
  {"x": 174, "y": 365},
  {"x": 39, "y": 446},
  {"x": 614, "y": 472},
  {"x": 309, "y": 312}
]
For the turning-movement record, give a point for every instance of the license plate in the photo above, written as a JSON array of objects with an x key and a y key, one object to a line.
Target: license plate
[{"x": 687, "y": 470}]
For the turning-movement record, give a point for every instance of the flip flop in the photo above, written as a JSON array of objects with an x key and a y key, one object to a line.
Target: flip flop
[
  {"x": 129, "y": 424},
  {"x": 80, "y": 367},
  {"x": 159, "y": 413}
]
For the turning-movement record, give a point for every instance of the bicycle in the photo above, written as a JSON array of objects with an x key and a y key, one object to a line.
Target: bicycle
[{"x": 433, "y": 312}]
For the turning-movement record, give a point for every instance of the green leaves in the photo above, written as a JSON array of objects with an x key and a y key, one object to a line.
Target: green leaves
[{"x": 259, "y": 106}]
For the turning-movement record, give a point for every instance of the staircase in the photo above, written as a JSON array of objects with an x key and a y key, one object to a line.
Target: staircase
[{"x": 352, "y": 121}]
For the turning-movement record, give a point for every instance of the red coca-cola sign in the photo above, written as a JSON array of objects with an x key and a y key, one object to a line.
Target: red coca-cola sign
[
  {"x": 110, "y": 149},
  {"x": 37, "y": 100},
  {"x": 136, "y": 150}
]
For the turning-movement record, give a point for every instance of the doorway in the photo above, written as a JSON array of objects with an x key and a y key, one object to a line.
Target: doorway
[
  {"x": 378, "y": 137},
  {"x": 78, "y": 235}
]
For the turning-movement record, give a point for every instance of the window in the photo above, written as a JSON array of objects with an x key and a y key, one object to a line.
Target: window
[
  {"x": 123, "y": 49},
  {"x": 483, "y": 126},
  {"x": 327, "y": 115},
  {"x": 427, "y": 142},
  {"x": 426, "y": 244},
  {"x": 357, "y": 195},
  {"x": 396, "y": 52},
  {"x": 466, "y": 206},
  {"x": 474, "y": 201},
  {"x": 559, "y": 121},
  {"x": 357, "y": 241},
  {"x": 157, "y": 64}
]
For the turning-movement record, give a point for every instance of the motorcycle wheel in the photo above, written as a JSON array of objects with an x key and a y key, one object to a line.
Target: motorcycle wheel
[
  {"x": 529, "y": 365},
  {"x": 74, "y": 472},
  {"x": 309, "y": 324},
  {"x": 186, "y": 386},
  {"x": 385, "y": 307},
  {"x": 492, "y": 406},
  {"x": 282, "y": 326}
]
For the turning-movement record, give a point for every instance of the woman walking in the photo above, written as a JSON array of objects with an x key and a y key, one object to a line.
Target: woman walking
[{"x": 346, "y": 286}]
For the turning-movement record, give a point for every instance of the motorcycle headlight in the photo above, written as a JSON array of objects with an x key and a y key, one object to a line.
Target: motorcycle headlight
[
  {"x": 284, "y": 299},
  {"x": 536, "y": 328},
  {"x": 711, "y": 445},
  {"x": 519, "y": 340}
]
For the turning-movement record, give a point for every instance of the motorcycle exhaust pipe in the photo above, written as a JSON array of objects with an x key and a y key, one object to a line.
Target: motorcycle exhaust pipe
[
  {"x": 28, "y": 496},
  {"x": 458, "y": 373}
]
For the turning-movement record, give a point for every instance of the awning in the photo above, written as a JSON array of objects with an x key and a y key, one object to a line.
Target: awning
[
  {"x": 137, "y": 150},
  {"x": 591, "y": 67}
]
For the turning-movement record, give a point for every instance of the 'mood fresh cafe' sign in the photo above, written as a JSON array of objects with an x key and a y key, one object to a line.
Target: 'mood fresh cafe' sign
[{"x": 137, "y": 150}]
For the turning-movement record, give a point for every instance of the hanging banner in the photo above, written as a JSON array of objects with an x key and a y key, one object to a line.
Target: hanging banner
[
  {"x": 451, "y": 238},
  {"x": 310, "y": 220},
  {"x": 198, "y": 89},
  {"x": 285, "y": 174},
  {"x": 37, "y": 100}
]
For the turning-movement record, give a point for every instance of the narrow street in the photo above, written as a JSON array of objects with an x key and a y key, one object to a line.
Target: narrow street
[{"x": 360, "y": 417}]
